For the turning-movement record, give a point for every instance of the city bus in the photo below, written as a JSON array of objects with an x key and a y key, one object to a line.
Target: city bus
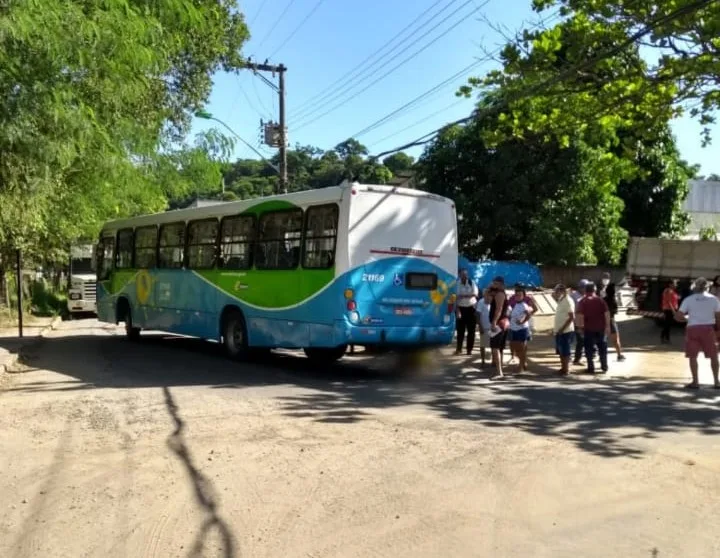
[{"x": 355, "y": 264}]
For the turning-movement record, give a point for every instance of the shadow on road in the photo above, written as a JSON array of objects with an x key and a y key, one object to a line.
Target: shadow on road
[
  {"x": 605, "y": 416},
  {"x": 203, "y": 488}
]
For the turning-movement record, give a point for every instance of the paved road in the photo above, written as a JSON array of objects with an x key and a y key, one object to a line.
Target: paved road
[{"x": 164, "y": 448}]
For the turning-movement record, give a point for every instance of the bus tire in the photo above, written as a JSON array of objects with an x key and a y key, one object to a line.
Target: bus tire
[
  {"x": 323, "y": 355},
  {"x": 234, "y": 335},
  {"x": 125, "y": 313}
]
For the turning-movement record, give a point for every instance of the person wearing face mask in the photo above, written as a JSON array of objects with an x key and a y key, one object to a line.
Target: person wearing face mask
[
  {"x": 564, "y": 327},
  {"x": 467, "y": 295}
]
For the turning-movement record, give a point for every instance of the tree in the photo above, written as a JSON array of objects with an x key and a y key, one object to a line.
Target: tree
[
  {"x": 399, "y": 163},
  {"x": 308, "y": 168},
  {"x": 585, "y": 74},
  {"x": 526, "y": 200},
  {"x": 95, "y": 94},
  {"x": 654, "y": 195}
]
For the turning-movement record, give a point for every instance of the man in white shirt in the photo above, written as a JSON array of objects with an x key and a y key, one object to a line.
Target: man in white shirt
[
  {"x": 701, "y": 310},
  {"x": 564, "y": 327}
]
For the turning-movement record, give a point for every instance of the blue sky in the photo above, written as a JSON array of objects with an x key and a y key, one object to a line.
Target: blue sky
[{"x": 339, "y": 35}]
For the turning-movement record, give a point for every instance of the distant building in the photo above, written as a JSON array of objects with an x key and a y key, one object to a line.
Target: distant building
[{"x": 702, "y": 206}]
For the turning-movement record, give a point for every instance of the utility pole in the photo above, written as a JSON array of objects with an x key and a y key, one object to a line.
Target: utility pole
[
  {"x": 275, "y": 134},
  {"x": 18, "y": 275}
]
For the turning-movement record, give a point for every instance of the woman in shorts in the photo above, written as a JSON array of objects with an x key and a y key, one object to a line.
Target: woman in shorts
[{"x": 520, "y": 327}]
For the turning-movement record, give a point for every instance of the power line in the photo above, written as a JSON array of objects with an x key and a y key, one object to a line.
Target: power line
[
  {"x": 299, "y": 26},
  {"x": 421, "y": 121},
  {"x": 252, "y": 105},
  {"x": 373, "y": 69},
  {"x": 274, "y": 25},
  {"x": 257, "y": 12},
  {"x": 313, "y": 101},
  {"x": 417, "y": 99},
  {"x": 649, "y": 28},
  {"x": 268, "y": 112},
  {"x": 404, "y": 61},
  {"x": 397, "y": 112}
]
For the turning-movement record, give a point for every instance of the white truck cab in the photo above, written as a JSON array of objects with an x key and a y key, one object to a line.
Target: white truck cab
[{"x": 81, "y": 281}]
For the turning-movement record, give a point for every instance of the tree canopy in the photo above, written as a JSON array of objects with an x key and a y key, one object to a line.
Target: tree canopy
[{"x": 96, "y": 97}]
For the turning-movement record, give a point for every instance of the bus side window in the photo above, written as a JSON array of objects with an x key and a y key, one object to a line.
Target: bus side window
[
  {"x": 278, "y": 245},
  {"x": 171, "y": 245},
  {"x": 124, "y": 252},
  {"x": 202, "y": 244},
  {"x": 236, "y": 239},
  {"x": 146, "y": 247},
  {"x": 321, "y": 228}
]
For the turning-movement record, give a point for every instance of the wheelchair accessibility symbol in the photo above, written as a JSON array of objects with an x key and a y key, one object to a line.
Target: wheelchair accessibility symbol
[{"x": 397, "y": 280}]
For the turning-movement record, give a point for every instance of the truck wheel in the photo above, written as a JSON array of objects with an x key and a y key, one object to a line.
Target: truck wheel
[
  {"x": 322, "y": 355},
  {"x": 234, "y": 338}
]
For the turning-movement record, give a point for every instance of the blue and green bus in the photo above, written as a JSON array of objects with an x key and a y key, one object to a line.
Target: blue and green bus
[{"x": 318, "y": 270}]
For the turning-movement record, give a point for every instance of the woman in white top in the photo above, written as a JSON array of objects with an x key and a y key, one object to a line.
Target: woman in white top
[
  {"x": 520, "y": 327},
  {"x": 467, "y": 295},
  {"x": 701, "y": 311}
]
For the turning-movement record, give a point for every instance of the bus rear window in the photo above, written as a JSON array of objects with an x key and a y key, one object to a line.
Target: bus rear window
[{"x": 421, "y": 281}]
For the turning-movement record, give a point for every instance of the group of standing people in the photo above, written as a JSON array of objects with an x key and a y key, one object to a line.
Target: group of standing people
[
  {"x": 585, "y": 317},
  {"x": 500, "y": 317}
]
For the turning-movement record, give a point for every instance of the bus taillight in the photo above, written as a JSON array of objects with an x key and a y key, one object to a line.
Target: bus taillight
[{"x": 351, "y": 306}]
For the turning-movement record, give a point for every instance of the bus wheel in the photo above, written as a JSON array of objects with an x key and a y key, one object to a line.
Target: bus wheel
[
  {"x": 235, "y": 339},
  {"x": 131, "y": 332},
  {"x": 323, "y": 355}
]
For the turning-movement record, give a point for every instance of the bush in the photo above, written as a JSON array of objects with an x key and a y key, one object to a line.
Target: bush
[{"x": 45, "y": 301}]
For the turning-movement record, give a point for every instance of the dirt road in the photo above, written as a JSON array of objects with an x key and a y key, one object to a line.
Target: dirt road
[{"x": 163, "y": 448}]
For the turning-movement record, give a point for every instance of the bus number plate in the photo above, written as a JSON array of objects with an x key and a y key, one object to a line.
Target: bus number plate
[{"x": 403, "y": 311}]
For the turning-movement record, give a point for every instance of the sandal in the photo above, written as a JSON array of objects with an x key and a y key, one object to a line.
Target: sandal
[{"x": 692, "y": 386}]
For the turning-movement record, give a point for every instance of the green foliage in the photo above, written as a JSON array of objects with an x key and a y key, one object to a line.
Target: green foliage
[
  {"x": 399, "y": 163},
  {"x": 708, "y": 233},
  {"x": 308, "y": 168},
  {"x": 585, "y": 75},
  {"x": 95, "y": 93},
  {"x": 654, "y": 194},
  {"x": 45, "y": 301},
  {"x": 526, "y": 200},
  {"x": 570, "y": 149}
]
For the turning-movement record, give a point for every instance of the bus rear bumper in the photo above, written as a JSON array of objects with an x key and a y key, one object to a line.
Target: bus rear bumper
[{"x": 394, "y": 337}]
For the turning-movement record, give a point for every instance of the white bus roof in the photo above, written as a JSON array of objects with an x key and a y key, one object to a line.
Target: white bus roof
[{"x": 307, "y": 197}]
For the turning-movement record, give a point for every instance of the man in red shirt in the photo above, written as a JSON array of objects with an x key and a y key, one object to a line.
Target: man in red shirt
[{"x": 594, "y": 320}]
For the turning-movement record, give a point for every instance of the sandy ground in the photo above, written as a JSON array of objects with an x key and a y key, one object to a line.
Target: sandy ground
[{"x": 164, "y": 448}]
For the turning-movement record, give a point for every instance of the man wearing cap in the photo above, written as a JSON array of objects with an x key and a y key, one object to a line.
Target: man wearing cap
[
  {"x": 594, "y": 322},
  {"x": 564, "y": 327},
  {"x": 701, "y": 311},
  {"x": 577, "y": 295}
]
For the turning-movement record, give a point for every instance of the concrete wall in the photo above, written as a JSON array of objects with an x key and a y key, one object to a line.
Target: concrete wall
[{"x": 571, "y": 276}]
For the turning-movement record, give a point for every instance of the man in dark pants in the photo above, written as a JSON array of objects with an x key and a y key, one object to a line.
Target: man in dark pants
[
  {"x": 577, "y": 295},
  {"x": 467, "y": 295},
  {"x": 594, "y": 321}
]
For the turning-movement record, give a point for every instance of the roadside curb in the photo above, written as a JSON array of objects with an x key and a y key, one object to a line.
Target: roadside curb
[{"x": 12, "y": 358}]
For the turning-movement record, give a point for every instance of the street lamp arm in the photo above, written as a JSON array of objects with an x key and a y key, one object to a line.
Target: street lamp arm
[{"x": 207, "y": 116}]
